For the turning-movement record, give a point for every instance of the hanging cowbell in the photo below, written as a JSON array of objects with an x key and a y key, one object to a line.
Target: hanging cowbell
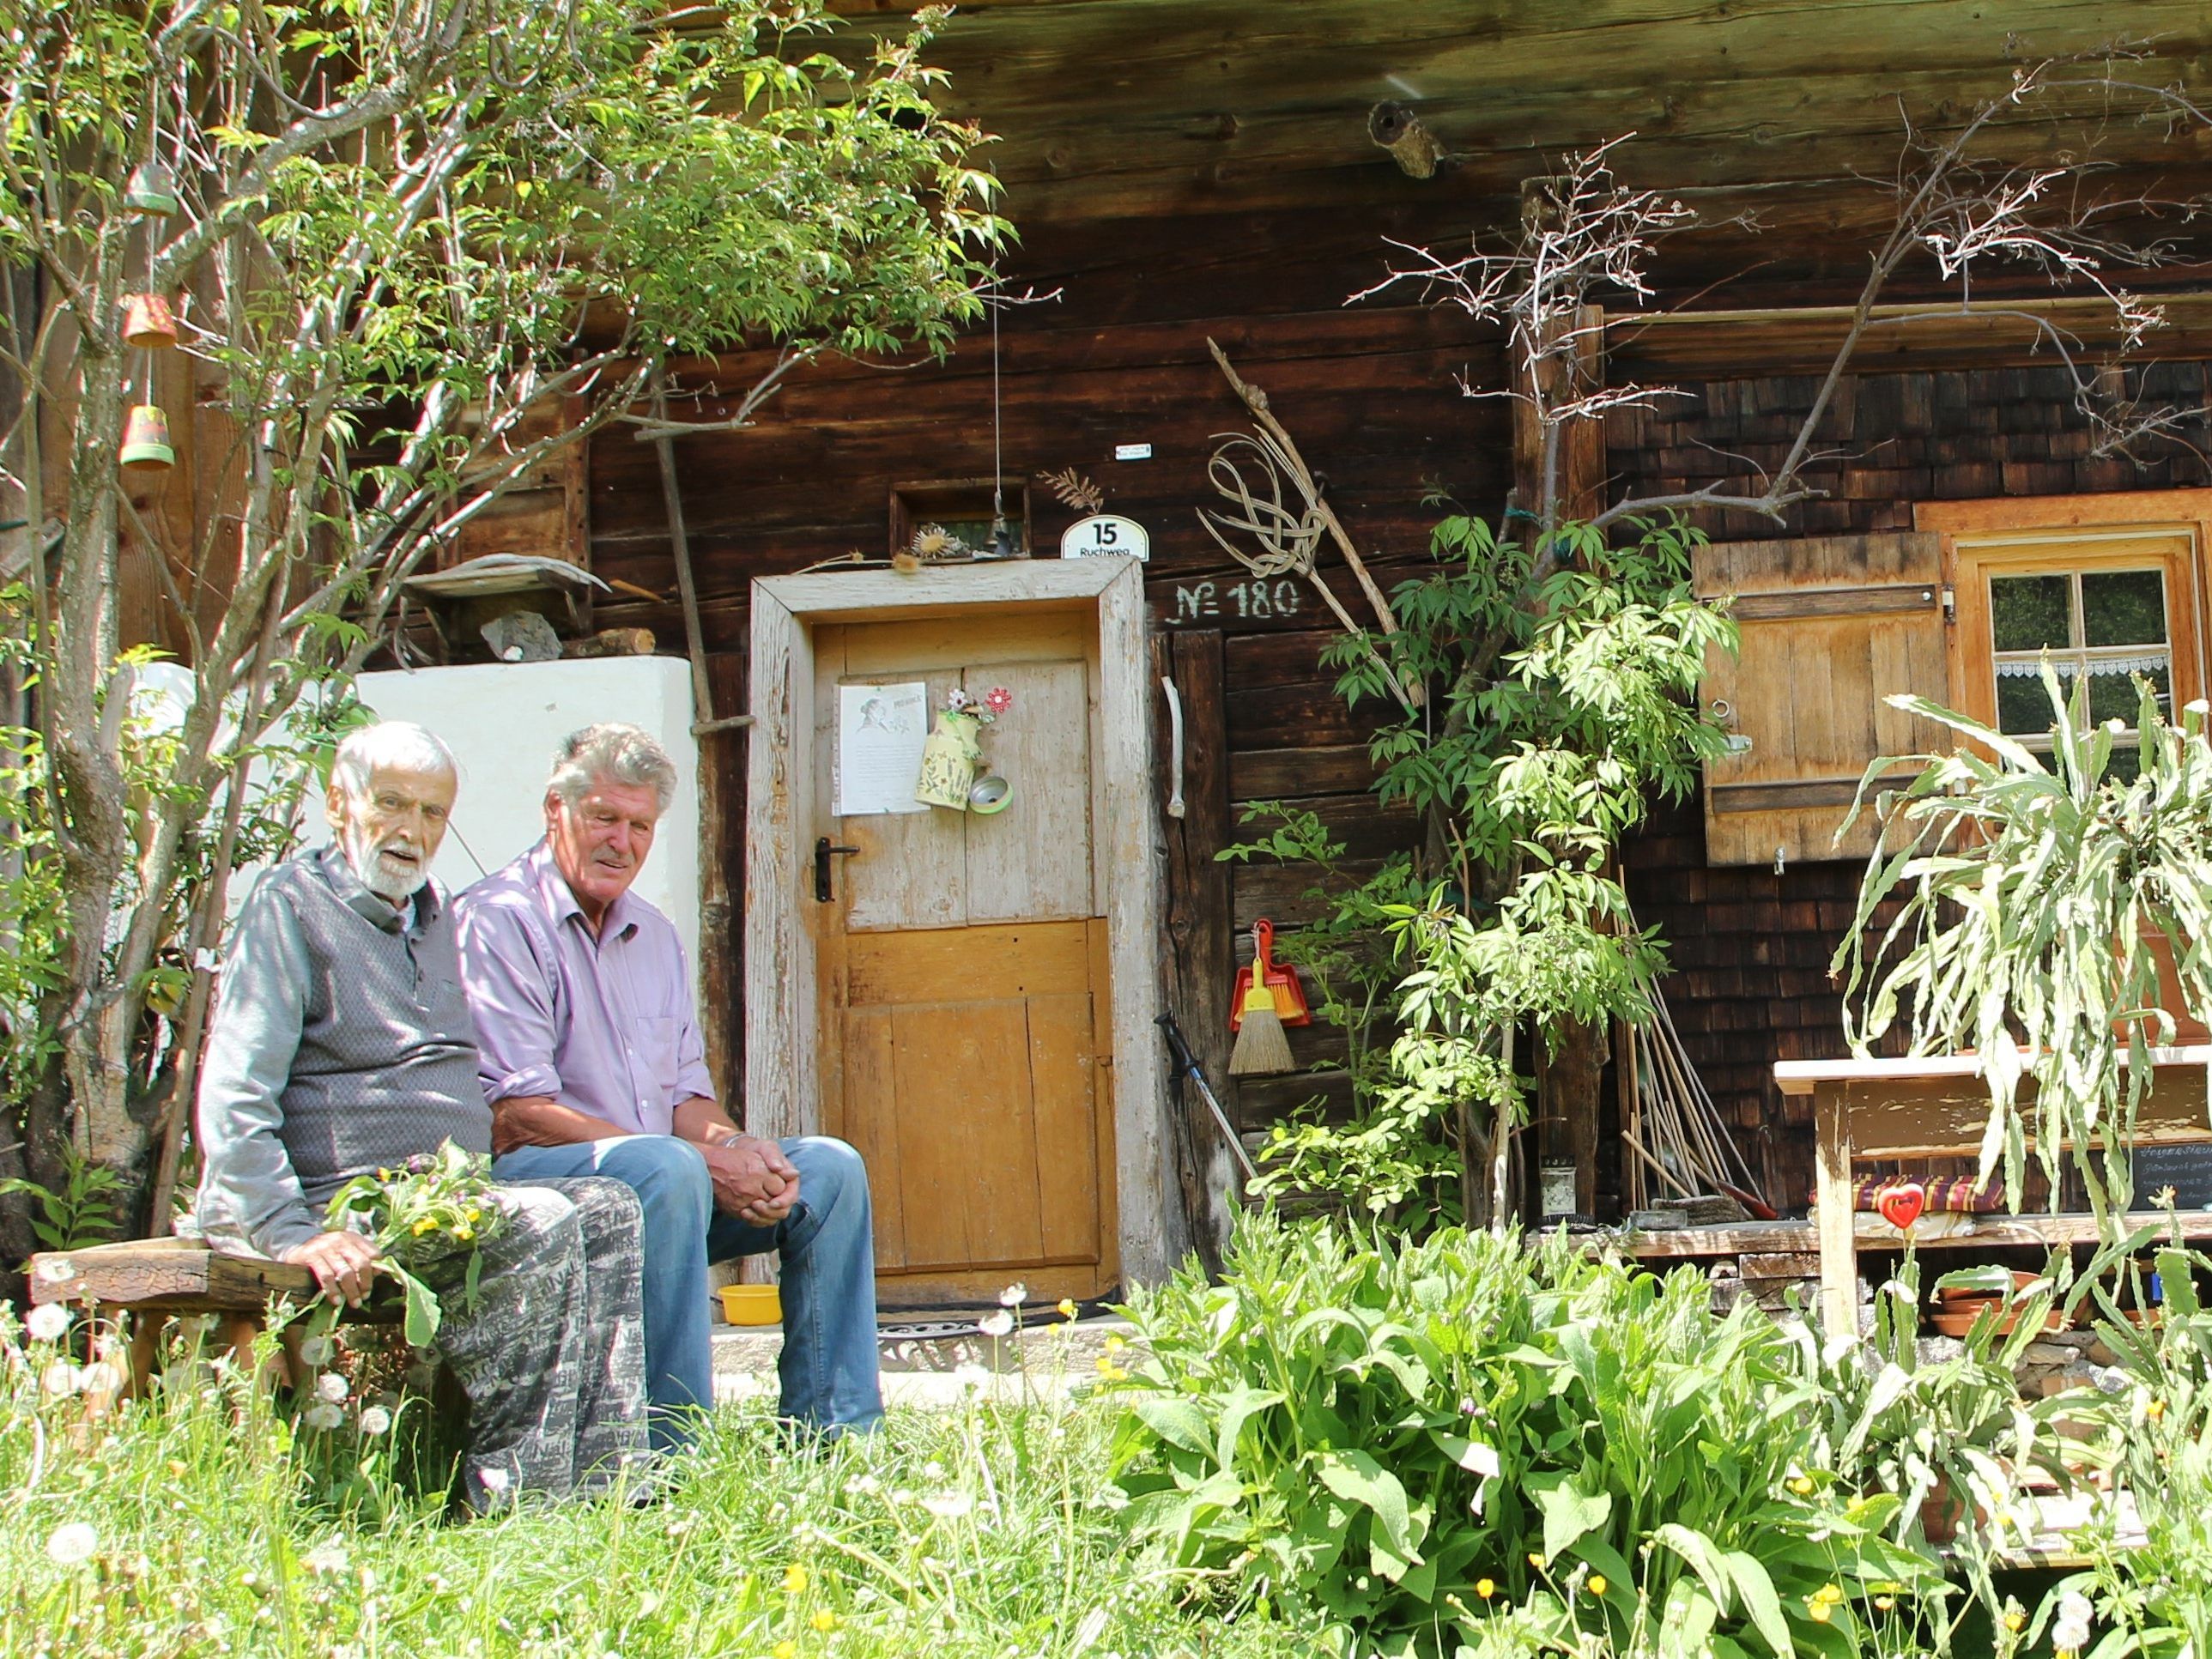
[
  {"x": 148, "y": 322},
  {"x": 146, "y": 439},
  {"x": 152, "y": 190}
]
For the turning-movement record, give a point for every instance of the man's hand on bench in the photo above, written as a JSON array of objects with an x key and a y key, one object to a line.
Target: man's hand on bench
[{"x": 344, "y": 1264}]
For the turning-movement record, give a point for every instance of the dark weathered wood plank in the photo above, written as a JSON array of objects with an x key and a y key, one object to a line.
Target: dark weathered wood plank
[
  {"x": 1197, "y": 946},
  {"x": 165, "y": 1273}
]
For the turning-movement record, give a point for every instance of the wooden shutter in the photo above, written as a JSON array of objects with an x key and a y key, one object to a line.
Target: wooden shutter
[{"x": 1831, "y": 625}]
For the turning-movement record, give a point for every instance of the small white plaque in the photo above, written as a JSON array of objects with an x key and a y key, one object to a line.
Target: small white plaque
[
  {"x": 1103, "y": 535},
  {"x": 1133, "y": 452}
]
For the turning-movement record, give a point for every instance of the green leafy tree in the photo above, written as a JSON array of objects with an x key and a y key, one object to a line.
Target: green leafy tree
[
  {"x": 1569, "y": 705},
  {"x": 406, "y": 237}
]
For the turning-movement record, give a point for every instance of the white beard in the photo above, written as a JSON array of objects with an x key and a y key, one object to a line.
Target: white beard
[{"x": 394, "y": 883}]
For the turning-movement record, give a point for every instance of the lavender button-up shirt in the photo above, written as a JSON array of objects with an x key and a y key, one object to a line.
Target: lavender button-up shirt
[{"x": 602, "y": 1022}]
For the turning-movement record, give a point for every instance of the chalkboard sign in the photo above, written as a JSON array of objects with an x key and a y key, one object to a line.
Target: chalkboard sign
[{"x": 2185, "y": 1166}]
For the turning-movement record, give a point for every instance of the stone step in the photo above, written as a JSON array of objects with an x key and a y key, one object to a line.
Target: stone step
[{"x": 1046, "y": 1360}]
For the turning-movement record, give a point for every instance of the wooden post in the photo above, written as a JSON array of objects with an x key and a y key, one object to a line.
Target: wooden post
[
  {"x": 1832, "y": 1174},
  {"x": 1198, "y": 949}
]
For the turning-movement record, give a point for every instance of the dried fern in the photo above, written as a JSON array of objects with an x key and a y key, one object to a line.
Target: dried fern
[{"x": 1073, "y": 489}]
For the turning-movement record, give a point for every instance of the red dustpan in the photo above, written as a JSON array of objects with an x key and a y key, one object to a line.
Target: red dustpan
[{"x": 1279, "y": 977}]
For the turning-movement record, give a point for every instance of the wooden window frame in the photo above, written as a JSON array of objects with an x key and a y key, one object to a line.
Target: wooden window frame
[
  {"x": 2049, "y": 533},
  {"x": 925, "y": 502}
]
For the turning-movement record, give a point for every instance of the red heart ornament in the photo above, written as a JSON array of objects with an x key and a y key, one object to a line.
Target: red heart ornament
[{"x": 1900, "y": 1206}]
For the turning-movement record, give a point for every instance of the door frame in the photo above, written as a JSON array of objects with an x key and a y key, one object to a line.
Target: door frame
[{"x": 783, "y": 1087}]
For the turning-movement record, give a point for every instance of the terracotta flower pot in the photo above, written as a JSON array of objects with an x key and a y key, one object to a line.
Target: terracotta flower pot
[{"x": 148, "y": 321}]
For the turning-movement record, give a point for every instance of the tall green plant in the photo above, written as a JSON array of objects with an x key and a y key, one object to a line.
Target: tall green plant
[
  {"x": 1567, "y": 679},
  {"x": 1406, "y": 1447},
  {"x": 2030, "y": 894}
]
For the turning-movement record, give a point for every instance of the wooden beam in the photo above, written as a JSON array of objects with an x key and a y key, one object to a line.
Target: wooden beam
[{"x": 1729, "y": 344}]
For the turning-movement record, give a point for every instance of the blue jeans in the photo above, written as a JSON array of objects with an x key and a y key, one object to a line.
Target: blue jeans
[{"x": 827, "y": 1244}]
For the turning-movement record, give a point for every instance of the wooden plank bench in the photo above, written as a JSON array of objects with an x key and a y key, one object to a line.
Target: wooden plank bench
[
  {"x": 156, "y": 1280},
  {"x": 1937, "y": 1107}
]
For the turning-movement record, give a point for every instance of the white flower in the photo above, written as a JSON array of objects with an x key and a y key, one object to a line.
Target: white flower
[
  {"x": 375, "y": 1421},
  {"x": 316, "y": 1351},
  {"x": 323, "y": 1415},
  {"x": 47, "y": 1322},
  {"x": 1001, "y": 1323},
  {"x": 331, "y": 1387},
  {"x": 948, "y": 1505},
  {"x": 56, "y": 1270},
  {"x": 496, "y": 1481},
  {"x": 1014, "y": 1295},
  {"x": 2070, "y": 1629},
  {"x": 60, "y": 1377},
  {"x": 72, "y": 1544}
]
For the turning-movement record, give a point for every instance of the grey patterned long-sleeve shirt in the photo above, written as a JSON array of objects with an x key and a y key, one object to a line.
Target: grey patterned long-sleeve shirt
[{"x": 341, "y": 1043}]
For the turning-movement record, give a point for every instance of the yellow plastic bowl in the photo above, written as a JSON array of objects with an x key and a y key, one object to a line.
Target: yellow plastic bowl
[{"x": 752, "y": 1304}]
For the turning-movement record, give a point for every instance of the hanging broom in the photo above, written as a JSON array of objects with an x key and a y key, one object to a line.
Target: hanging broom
[{"x": 1267, "y": 998}]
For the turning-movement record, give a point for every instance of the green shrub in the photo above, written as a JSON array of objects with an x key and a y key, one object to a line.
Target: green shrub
[{"x": 1412, "y": 1448}]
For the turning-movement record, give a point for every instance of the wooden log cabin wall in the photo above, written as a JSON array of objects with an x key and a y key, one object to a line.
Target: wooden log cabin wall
[{"x": 1204, "y": 168}]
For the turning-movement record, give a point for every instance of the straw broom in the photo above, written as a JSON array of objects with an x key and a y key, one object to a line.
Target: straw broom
[{"x": 1263, "y": 1049}]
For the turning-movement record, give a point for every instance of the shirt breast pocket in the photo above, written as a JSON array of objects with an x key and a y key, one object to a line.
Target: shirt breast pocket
[{"x": 658, "y": 1036}]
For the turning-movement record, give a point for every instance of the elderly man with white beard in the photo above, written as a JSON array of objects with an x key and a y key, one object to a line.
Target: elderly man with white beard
[{"x": 342, "y": 1045}]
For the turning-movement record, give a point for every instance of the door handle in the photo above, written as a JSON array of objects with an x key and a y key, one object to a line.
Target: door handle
[{"x": 824, "y": 850}]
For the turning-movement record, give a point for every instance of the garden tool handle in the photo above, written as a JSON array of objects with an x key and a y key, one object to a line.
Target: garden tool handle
[{"x": 1263, "y": 948}]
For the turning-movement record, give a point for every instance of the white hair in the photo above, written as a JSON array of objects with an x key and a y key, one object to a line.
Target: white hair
[
  {"x": 612, "y": 752},
  {"x": 388, "y": 743}
]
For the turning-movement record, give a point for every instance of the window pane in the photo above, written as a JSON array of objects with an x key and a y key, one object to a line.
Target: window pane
[
  {"x": 2122, "y": 607},
  {"x": 2112, "y": 695},
  {"x": 2029, "y": 612},
  {"x": 2023, "y": 706},
  {"x": 2125, "y": 764}
]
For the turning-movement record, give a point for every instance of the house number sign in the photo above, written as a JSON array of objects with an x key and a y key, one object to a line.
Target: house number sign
[{"x": 1103, "y": 535}]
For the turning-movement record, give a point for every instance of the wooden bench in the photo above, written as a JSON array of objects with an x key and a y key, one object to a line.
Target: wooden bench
[
  {"x": 1937, "y": 1108},
  {"x": 156, "y": 1280}
]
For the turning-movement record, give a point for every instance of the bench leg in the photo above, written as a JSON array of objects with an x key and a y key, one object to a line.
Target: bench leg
[{"x": 147, "y": 1328}]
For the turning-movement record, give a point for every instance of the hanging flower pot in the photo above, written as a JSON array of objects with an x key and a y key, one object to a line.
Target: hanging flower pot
[
  {"x": 146, "y": 440},
  {"x": 152, "y": 190},
  {"x": 949, "y": 759},
  {"x": 148, "y": 322}
]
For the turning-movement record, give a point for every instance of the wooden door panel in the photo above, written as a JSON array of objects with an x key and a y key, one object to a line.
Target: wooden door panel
[
  {"x": 970, "y": 1199},
  {"x": 867, "y": 1119},
  {"x": 1062, "y": 1045},
  {"x": 1034, "y": 858},
  {"x": 956, "y": 965}
]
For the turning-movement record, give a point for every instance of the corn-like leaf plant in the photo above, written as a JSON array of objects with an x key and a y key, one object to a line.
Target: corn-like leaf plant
[{"x": 2019, "y": 907}]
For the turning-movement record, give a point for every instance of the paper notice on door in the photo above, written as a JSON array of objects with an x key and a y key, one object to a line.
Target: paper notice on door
[{"x": 880, "y": 732}]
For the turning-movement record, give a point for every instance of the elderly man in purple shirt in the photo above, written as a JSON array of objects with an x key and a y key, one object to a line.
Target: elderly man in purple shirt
[{"x": 593, "y": 1063}]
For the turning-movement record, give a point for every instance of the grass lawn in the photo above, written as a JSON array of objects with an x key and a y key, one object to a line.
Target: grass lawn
[{"x": 980, "y": 1530}]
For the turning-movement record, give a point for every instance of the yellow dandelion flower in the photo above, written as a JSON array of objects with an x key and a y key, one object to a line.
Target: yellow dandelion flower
[
  {"x": 787, "y": 1649},
  {"x": 1110, "y": 1371},
  {"x": 1802, "y": 1485},
  {"x": 823, "y": 1619},
  {"x": 794, "y": 1580},
  {"x": 1067, "y": 1308},
  {"x": 2013, "y": 1619},
  {"x": 463, "y": 1232},
  {"x": 178, "y": 1467},
  {"x": 1484, "y": 1589},
  {"x": 1535, "y": 1560},
  {"x": 1114, "y": 1345},
  {"x": 473, "y": 1214},
  {"x": 425, "y": 1225},
  {"x": 2155, "y": 1410},
  {"x": 1597, "y": 1583},
  {"x": 1830, "y": 1593},
  {"x": 1819, "y": 1612}
]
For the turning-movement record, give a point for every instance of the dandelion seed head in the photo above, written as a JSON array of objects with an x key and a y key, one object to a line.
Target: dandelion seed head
[
  {"x": 332, "y": 1388},
  {"x": 48, "y": 1321},
  {"x": 71, "y": 1543},
  {"x": 1001, "y": 1323},
  {"x": 375, "y": 1421},
  {"x": 1014, "y": 1295}
]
